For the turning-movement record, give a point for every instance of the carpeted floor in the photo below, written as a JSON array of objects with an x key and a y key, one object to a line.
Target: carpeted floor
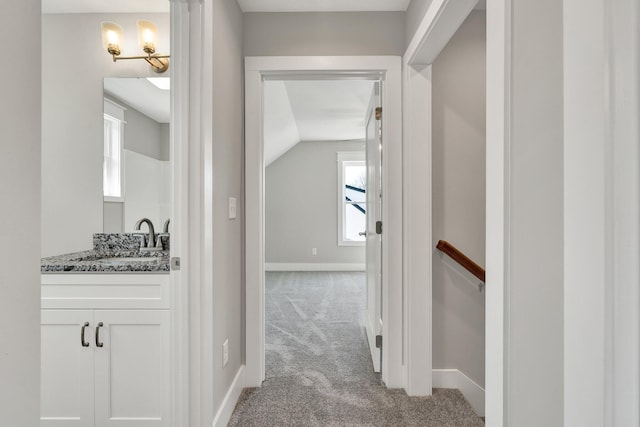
[{"x": 318, "y": 367}]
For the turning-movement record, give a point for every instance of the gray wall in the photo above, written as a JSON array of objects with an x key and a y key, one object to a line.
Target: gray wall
[
  {"x": 459, "y": 197},
  {"x": 143, "y": 134},
  {"x": 20, "y": 215},
  {"x": 321, "y": 33},
  {"x": 113, "y": 217},
  {"x": 415, "y": 14},
  {"x": 227, "y": 132},
  {"x": 301, "y": 193},
  {"x": 165, "y": 144},
  {"x": 535, "y": 294},
  {"x": 72, "y": 124}
]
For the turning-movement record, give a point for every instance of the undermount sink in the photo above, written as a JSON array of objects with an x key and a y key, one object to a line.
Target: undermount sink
[{"x": 130, "y": 259}]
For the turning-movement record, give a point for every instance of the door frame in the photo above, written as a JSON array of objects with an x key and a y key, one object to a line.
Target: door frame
[
  {"x": 256, "y": 68},
  {"x": 192, "y": 381}
]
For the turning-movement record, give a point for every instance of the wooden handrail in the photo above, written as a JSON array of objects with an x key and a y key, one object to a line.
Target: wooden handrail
[{"x": 461, "y": 259}]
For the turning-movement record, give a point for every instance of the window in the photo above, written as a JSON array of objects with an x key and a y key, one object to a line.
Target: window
[
  {"x": 113, "y": 168},
  {"x": 352, "y": 195}
]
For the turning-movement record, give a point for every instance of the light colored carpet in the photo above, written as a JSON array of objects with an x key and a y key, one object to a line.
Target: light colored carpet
[{"x": 318, "y": 367}]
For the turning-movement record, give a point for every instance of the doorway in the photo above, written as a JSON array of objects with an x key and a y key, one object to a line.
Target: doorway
[
  {"x": 261, "y": 69},
  {"x": 318, "y": 136}
]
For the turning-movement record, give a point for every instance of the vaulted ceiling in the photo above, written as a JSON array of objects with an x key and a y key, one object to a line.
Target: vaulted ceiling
[
  {"x": 312, "y": 110},
  {"x": 142, "y": 95}
]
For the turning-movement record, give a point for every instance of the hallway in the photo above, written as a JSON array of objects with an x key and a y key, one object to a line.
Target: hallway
[{"x": 318, "y": 367}]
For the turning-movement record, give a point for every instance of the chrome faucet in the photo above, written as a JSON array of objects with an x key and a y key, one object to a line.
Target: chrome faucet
[{"x": 151, "y": 240}]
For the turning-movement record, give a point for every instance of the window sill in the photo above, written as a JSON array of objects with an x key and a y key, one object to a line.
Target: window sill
[{"x": 114, "y": 199}]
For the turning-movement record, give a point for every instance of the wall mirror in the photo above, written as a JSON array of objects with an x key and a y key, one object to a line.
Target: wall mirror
[
  {"x": 73, "y": 92},
  {"x": 136, "y": 170}
]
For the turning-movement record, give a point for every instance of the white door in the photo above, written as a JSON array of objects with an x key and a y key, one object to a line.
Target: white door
[
  {"x": 66, "y": 368},
  {"x": 373, "y": 321},
  {"x": 132, "y": 370}
]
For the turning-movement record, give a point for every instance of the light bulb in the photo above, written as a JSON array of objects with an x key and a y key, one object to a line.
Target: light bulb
[
  {"x": 111, "y": 36},
  {"x": 147, "y": 36}
]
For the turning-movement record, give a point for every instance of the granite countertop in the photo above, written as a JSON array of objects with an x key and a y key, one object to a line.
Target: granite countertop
[{"x": 112, "y": 253}]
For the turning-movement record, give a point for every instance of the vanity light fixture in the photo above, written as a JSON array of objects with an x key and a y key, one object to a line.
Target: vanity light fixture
[{"x": 147, "y": 33}]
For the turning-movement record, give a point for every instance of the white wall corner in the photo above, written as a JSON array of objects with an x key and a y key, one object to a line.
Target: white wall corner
[
  {"x": 230, "y": 400},
  {"x": 453, "y": 378}
]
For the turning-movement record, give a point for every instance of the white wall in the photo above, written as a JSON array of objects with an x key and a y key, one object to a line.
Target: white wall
[
  {"x": 20, "y": 216},
  {"x": 321, "y": 33},
  {"x": 147, "y": 191},
  {"x": 458, "y": 156},
  {"x": 602, "y": 202},
  {"x": 534, "y": 361},
  {"x": 227, "y": 132},
  {"x": 301, "y": 196},
  {"x": 72, "y": 124}
]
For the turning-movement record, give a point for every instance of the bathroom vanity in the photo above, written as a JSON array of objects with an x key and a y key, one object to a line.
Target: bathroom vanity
[{"x": 106, "y": 336}]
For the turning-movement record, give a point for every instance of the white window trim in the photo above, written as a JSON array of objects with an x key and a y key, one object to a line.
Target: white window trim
[
  {"x": 343, "y": 158},
  {"x": 115, "y": 111}
]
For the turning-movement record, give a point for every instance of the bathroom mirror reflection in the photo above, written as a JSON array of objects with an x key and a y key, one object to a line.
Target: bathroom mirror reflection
[
  {"x": 136, "y": 170},
  {"x": 72, "y": 203}
]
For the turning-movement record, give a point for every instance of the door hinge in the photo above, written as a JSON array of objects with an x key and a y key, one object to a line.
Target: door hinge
[
  {"x": 378, "y": 227},
  {"x": 378, "y": 113},
  {"x": 378, "y": 341},
  {"x": 175, "y": 263}
]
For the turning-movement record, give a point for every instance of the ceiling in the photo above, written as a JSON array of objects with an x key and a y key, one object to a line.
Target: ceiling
[
  {"x": 322, "y": 6},
  {"x": 104, "y": 6},
  {"x": 141, "y": 95},
  {"x": 135, "y": 6},
  {"x": 306, "y": 110}
]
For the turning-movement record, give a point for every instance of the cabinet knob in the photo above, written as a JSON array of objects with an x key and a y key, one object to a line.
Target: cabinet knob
[
  {"x": 82, "y": 341},
  {"x": 98, "y": 343}
]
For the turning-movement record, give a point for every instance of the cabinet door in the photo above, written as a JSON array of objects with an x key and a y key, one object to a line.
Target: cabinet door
[
  {"x": 66, "y": 369},
  {"x": 132, "y": 369}
]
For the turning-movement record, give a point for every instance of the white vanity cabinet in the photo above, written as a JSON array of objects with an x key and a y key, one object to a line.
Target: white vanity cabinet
[
  {"x": 116, "y": 373},
  {"x": 66, "y": 369}
]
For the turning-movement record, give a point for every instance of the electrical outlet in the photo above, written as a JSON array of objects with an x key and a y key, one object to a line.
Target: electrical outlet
[
  {"x": 314, "y": 251},
  {"x": 225, "y": 353}
]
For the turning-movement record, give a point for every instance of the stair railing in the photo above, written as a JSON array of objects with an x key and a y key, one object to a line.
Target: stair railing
[{"x": 461, "y": 259}]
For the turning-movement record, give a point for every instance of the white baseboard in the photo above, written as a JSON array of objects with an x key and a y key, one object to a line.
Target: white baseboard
[
  {"x": 230, "y": 399},
  {"x": 453, "y": 378},
  {"x": 299, "y": 266}
]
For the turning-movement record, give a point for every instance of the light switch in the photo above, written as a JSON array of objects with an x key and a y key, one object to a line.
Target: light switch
[{"x": 232, "y": 208}]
